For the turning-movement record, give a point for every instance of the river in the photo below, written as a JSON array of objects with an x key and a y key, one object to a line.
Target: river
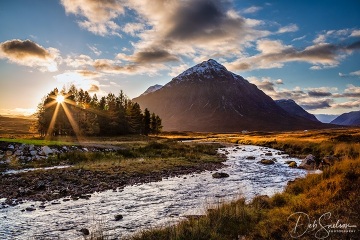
[{"x": 152, "y": 204}]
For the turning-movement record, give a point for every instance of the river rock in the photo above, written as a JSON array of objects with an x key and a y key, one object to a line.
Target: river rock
[
  {"x": 250, "y": 158},
  {"x": 268, "y": 154},
  {"x": 293, "y": 164},
  {"x": 85, "y": 231},
  {"x": 9, "y": 153},
  {"x": 30, "y": 209},
  {"x": 46, "y": 150},
  {"x": 33, "y": 153},
  {"x": 118, "y": 217},
  {"x": 267, "y": 161},
  {"x": 220, "y": 175},
  {"x": 308, "y": 163},
  {"x": 11, "y": 147}
]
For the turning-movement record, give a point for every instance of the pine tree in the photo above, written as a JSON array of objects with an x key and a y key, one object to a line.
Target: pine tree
[{"x": 147, "y": 122}]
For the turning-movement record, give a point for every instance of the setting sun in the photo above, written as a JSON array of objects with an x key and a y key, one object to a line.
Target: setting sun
[{"x": 60, "y": 98}]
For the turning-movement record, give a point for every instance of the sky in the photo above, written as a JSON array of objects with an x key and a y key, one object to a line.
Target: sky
[{"x": 308, "y": 51}]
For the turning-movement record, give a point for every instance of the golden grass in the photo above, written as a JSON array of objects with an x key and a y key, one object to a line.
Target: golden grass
[{"x": 336, "y": 190}]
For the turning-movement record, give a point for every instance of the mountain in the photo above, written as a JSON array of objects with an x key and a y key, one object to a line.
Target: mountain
[
  {"x": 293, "y": 108},
  {"x": 326, "y": 118},
  {"x": 152, "y": 89},
  {"x": 209, "y": 98},
  {"x": 348, "y": 119}
]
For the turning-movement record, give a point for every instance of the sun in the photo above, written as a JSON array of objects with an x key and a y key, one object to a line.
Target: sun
[{"x": 60, "y": 98}]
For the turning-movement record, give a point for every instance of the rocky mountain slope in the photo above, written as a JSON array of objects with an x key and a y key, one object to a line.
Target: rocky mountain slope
[
  {"x": 208, "y": 97},
  {"x": 293, "y": 108}
]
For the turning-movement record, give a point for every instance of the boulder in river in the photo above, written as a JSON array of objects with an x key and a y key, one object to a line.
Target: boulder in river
[
  {"x": 220, "y": 175},
  {"x": 293, "y": 164},
  {"x": 118, "y": 217},
  {"x": 85, "y": 231},
  {"x": 250, "y": 158},
  {"x": 308, "y": 163},
  {"x": 267, "y": 161}
]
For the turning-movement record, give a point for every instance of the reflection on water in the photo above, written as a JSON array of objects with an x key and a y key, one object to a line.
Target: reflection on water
[{"x": 152, "y": 204}]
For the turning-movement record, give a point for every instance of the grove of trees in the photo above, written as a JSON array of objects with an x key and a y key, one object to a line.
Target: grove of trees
[{"x": 81, "y": 113}]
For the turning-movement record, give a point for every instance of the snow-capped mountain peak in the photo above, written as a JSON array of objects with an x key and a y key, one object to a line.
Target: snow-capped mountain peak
[
  {"x": 203, "y": 68},
  {"x": 152, "y": 89}
]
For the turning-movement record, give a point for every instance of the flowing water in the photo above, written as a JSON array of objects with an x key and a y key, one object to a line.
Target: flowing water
[{"x": 153, "y": 204}]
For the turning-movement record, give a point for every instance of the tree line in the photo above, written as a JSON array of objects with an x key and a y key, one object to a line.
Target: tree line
[{"x": 81, "y": 113}]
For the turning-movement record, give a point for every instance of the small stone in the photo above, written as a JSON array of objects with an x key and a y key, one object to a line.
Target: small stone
[
  {"x": 293, "y": 165},
  {"x": 85, "y": 231},
  {"x": 250, "y": 158},
  {"x": 267, "y": 162},
  {"x": 118, "y": 217},
  {"x": 220, "y": 175},
  {"x": 30, "y": 209},
  {"x": 268, "y": 154}
]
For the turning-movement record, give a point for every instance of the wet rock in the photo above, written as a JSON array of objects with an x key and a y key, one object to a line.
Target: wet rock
[
  {"x": 308, "y": 163},
  {"x": 250, "y": 158},
  {"x": 85, "y": 231},
  {"x": 268, "y": 154},
  {"x": 267, "y": 162},
  {"x": 9, "y": 153},
  {"x": 46, "y": 150},
  {"x": 220, "y": 175},
  {"x": 33, "y": 153},
  {"x": 11, "y": 147},
  {"x": 118, "y": 217},
  {"x": 293, "y": 164},
  {"x": 30, "y": 209}
]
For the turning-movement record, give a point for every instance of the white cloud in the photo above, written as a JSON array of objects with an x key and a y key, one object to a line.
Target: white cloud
[
  {"x": 252, "y": 9},
  {"x": 98, "y": 14},
  {"x": 288, "y": 28}
]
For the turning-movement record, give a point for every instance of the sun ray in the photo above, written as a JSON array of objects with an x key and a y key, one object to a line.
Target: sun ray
[
  {"x": 52, "y": 123},
  {"x": 73, "y": 123}
]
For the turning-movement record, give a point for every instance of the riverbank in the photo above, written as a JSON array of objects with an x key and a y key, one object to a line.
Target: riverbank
[{"x": 105, "y": 170}]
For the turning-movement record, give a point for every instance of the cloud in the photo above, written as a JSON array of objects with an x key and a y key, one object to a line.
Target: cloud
[
  {"x": 318, "y": 104},
  {"x": 96, "y": 15},
  {"x": 175, "y": 71},
  {"x": 149, "y": 56},
  {"x": 299, "y": 38},
  {"x": 335, "y": 34},
  {"x": 78, "y": 61},
  {"x": 355, "y": 33},
  {"x": 31, "y": 54},
  {"x": 316, "y": 93},
  {"x": 85, "y": 79},
  {"x": 273, "y": 54},
  {"x": 288, "y": 28},
  {"x": 352, "y": 74},
  {"x": 348, "y": 104},
  {"x": 94, "y": 49},
  {"x": 191, "y": 28},
  {"x": 252, "y": 9},
  {"x": 133, "y": 28}
]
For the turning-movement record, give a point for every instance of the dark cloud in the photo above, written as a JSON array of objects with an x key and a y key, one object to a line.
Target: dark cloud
[
  {"x": 320, "y": 54},
  {"x": 319, "y": 94},
  {"x": 317, "y": 105},
  {"x": 31, "y": 54},
  {"x": 94, "y": 88},
  {"x": 354, "y": 46},
  {"x": 202, "y": 19},
  {"x": 23, "y": 49},
  {"x": 156, "y": 55},
  {"x": 110, "y": 67}
]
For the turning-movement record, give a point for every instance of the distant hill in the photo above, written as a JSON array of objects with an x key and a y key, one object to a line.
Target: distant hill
[
  {"x": 348, "y": 119},
  {"x": 326, "y": 118},
  {"x": 152, "y": 89},
  {"x": 293, "y": 108},
  {"x": 15, "y": 125},
  {"x": 209, "y": 98}
]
